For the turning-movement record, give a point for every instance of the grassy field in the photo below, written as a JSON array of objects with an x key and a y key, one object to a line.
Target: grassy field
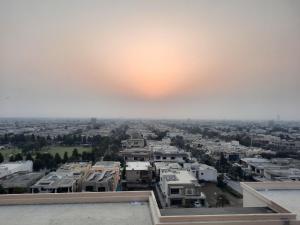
[
  {"x": 51, "y": 149},
  {"x": 61, "y": 150},
  {"x": 11, "y": 151}
]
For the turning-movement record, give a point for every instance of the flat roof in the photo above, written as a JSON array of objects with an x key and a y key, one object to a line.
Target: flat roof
[
  {"x": 107, "y": 163},
  {"x": 182, "y": 177},
  {"x": 137, "y": 165},
  {"x": 290, "y": 199},
  {"x": 127, "y": 213}
]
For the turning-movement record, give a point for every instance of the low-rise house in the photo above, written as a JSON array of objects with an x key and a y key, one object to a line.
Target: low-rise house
[
  {"x": 257, "y": 166},
  {"x": 139, "y": 174},
  {"x": 202, "y": 172},
  {"x": 163, "y": 166},
  {"x": 15, "y": 167},
  {"x": 133, "y": 143},
  {"x": 136, "y": 154},
  {"x": 110, "y": 166},
  {"x": 180, "y": 188},
  {"x": 99, "y": 182},
  {"x": 68, "y": 178},
  {"x": 19, "y": 182},
  {"x": 56, "y": 182},
  {"x": 103, "y": 176},
  {"x": 167, "y": 153},
  {"x": 290, "y": 174}
]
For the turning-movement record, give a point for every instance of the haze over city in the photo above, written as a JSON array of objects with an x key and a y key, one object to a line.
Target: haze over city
[{"x": 154, "y": 59}]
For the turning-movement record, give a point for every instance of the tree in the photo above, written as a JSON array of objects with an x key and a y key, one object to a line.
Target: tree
[
  {"x": 11, "y": 158},
  {"x": 178, "y": 141},
  {"x": 222, "y": 200},
  {"x": 1, "y": 158},
  {"x": 222, "y": 164},
  {"x": 75, "y": 155},
  {"x": 220, "y": 181},
  {"x": 124, "y": 172},
  {"x": 18, "y": 157},
  {"x": 29, "y": 157},
  {"x": 2, "y": 190},
  {"x": 57, "y": 159},
  {"x": 38, "y": 165},
  {"x": 66, "y": 157}
]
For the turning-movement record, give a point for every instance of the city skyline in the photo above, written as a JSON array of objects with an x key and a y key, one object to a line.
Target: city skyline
[{"x": 170, "y": 60}]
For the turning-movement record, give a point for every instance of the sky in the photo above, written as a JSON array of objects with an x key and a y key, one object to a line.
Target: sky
[{"x": 150, "y": 59}]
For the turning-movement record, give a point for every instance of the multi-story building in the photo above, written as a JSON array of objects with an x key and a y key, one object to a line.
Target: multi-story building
[
  {"x": 202, "y": 172},
  {"x": 139, "y": 174},
  {"x": 167, "y": 153},
  {"x": 103, "y": 176},
  {"x": 133, "y": 143},
  {"x": 163, "y": 166},
  {"x": 180, "y": 188},
  {"x": 136, "y": 154},
  {"x": 68, "y": 178}
]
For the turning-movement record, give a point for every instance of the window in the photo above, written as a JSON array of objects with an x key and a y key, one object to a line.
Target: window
[
  {"x": 174, "y": 191},
  {"x": 135, "y": 158},
  {"x": 176, "y": 202},
  {"x": 172, "y": 157},
  {"x": 202, "y": 173},
  {"x": 189, "y": 191},
  {"x": 89, "y": 188},
  {"x": 158, "y": 157},
  {"x": 101, "y": 189},
  {"x": 164, "y": 157}
]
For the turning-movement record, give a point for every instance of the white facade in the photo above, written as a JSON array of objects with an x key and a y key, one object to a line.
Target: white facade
[
  {"x": 14, "y": 167},
  {"x": 180, "y": 188},
  {"x": 202, "y": 171}
]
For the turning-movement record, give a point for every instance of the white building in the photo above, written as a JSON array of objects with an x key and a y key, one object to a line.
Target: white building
[
  {"x": 15, "y": 167},
  {"x": 180, "y": 188},
  {"x": 202, "y": 171},
  {"x": 163, "y": 166},
  {"x": 167, "y": 153},
  {"x": 138, "y": 174}
]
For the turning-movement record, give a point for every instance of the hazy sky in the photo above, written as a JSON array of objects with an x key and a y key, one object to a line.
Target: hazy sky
[{"x": 154, "y": 59}]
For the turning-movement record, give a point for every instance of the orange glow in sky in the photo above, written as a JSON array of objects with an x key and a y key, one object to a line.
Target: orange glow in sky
[{"x": 149, "y": 67}]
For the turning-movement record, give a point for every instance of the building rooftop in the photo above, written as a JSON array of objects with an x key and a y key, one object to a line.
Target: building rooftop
[
  {"x": 56, "y": 179},
  {"x": 282, "y": 195},
  {"x": 140, "y": 207},
  {"x": 137, "y": 165},
  {"x": 78, "y": 214},
  {"x": 179, "y": 177},
  {"x": 23, "y": 180},
  {"x": 167, "y": 165},
  {"x": 290, "y": 199},
  {"x": 107, "y": 164},
  {"x": 99, "y": 176}
]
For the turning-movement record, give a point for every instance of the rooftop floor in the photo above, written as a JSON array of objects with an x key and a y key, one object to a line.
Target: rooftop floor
[
  {"x": 77, "y": 214},
  {"x": 290, "y": 199}
]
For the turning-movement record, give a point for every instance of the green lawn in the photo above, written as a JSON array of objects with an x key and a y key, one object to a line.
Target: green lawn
[
  {"x": 61, "y": 150},
  {"x": 51, "y": 149},
  {"x": 11, "y": 151}
]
